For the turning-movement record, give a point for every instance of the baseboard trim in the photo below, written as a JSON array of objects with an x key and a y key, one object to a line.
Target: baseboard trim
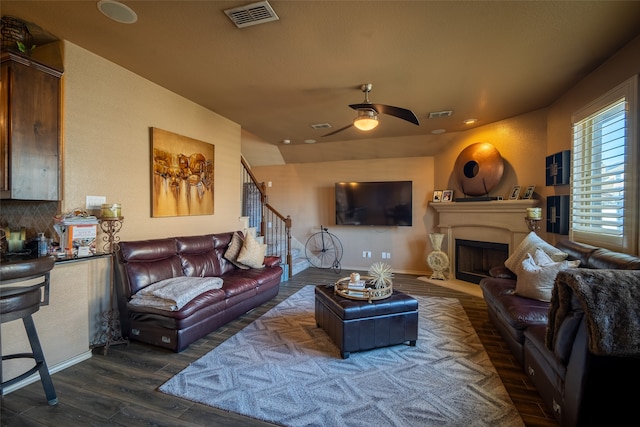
[{"x": 52, "y": 370}]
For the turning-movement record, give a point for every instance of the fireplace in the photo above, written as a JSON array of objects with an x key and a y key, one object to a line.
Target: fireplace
[
  {"x": 498, "y": 221},
  {"x": 474, "y": 258}
]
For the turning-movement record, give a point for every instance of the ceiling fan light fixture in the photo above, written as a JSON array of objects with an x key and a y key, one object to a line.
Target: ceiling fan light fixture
[{"x": 367, "y": 120}]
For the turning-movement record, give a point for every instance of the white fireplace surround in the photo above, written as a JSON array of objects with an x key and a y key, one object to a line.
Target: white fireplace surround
[{"x": 499, "y": 221}]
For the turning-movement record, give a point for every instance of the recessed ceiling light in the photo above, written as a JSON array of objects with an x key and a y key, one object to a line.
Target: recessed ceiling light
[
  {"x": 470, "y": 121},
  {"x": 286, "y": 141},
  {"x": 438, "y": 131},
  {"x": 309, "y": 141},
  {"x": 117, "y": 11}
]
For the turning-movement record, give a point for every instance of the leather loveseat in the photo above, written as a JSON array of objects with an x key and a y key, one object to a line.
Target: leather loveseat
[
  {"x": 143, "y": 263},
  {"x": 581, "y": 349}
]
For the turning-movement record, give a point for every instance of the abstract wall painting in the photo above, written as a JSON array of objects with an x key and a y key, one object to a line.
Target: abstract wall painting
[{"x": 182, "y": 175}]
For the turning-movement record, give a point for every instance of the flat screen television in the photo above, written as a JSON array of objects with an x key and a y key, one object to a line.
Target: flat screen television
[{"x": 374, "y": 203}]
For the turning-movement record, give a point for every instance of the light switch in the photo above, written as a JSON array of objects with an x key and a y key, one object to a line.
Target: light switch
[{"x": 95, "y": 202}]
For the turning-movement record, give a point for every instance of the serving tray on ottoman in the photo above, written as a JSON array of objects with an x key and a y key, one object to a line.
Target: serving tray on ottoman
[{"x": 357, "y": 325}]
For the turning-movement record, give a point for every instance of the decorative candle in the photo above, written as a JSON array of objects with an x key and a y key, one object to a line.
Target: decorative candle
[{"x": 534, "y": 213}]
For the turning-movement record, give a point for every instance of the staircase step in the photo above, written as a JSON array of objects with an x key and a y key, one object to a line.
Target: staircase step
[{"x": 298, "y": 265}]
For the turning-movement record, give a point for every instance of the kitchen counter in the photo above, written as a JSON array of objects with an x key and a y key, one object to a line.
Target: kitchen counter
[
  {"x": 78, "y": 295},
  {"x": 22, "y": 257}
]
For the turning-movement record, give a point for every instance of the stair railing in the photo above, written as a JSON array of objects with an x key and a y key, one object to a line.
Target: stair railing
[{"x": 271, "y": 224}]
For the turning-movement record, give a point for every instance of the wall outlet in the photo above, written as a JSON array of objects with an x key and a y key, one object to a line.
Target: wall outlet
[
  {"x": 95, "y": 202},
  {"x": 368, "y": 254},
  {"x": 388, "y": 255},
  {"x": 364, "y": 254}
]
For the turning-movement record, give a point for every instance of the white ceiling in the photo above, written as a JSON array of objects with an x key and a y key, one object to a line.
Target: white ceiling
[{"x": 488, "y": 60}]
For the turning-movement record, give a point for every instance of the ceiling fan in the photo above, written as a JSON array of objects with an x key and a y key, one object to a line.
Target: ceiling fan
[{"x": 367, "y": 118}]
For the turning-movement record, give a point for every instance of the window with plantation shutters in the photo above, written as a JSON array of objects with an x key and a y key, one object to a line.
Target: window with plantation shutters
[{"x": 604, "y": 163}]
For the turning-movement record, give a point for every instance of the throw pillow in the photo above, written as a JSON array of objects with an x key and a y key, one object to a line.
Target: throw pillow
[
  {"x": 529, "y": 246},
  {"x": 233, "y": 251},
  {"x": 537, "y": 275},
  {"x": 252, "y": 252}
]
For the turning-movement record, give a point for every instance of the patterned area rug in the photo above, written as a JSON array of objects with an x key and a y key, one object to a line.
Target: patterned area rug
[{"x": 283, "y": 369}]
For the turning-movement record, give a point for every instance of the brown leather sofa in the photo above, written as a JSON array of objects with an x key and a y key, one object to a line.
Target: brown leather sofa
[
  {"x": 142, "y": 263},
  {"x": 558, "y": 343}
]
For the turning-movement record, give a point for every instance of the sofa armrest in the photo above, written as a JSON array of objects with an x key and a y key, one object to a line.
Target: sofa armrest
[
  {"x": 272, "y": 261},
  {"x": 502, "y": 272}
]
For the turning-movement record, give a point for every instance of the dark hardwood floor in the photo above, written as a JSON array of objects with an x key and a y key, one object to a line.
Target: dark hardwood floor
[{"x": 120, "y": 388}]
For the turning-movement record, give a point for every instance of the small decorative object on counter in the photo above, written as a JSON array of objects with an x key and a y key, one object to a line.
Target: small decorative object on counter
[
  {"x": 437, "y": 259},
  {"x": 43, "y": 245}
]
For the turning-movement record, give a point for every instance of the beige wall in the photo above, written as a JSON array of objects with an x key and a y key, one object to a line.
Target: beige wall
[
  {"x": 619, "y": 68},
  {"x": 614, "y": 71},
  {"x": 306, "y": 193},
  {"x": 107, "y": 115}
]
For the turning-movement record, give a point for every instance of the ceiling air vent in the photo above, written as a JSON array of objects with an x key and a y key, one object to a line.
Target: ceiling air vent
[
  {"x": 439, "y": 114},
  {"x": 321, "y": 126},
  {"x": 252, "y": 14}
]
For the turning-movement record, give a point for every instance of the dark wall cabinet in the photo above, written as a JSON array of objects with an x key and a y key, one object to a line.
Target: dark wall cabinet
[
  {"x": 558, "y": 168},
  {"x": 30, "y": 130},
  {"x": 558, "y": 214}
]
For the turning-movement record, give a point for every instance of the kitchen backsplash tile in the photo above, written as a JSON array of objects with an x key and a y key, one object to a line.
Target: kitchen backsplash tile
[{"x": 35, "y": 216}]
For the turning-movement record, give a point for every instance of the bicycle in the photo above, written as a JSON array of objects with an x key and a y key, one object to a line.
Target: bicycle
[{"x": 324, "y": 250}]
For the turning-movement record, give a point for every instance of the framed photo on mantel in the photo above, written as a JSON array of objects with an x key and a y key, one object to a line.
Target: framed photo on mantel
[
  {"x": 437, "y": 196},
  {"x": 447, "y": 195},
  {"x": 528, "y": 193},
  {"x": 515, "y": 193}
]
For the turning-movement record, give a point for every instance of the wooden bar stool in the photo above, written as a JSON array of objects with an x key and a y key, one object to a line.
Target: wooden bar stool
[{"x": 20, "y": 300}]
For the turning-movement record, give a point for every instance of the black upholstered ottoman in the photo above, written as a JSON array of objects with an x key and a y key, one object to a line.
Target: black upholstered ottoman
[{"x": 355, "y": 325}]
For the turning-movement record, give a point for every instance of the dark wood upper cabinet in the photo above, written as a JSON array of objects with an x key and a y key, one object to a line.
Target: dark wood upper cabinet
[{"x": 29, "y": 129}]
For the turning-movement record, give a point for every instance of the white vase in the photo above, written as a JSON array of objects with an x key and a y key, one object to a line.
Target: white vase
[{"x": 437, "y": 260}]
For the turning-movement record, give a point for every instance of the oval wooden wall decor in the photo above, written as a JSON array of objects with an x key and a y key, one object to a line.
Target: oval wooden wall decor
[{"x": 478, "y": 169}]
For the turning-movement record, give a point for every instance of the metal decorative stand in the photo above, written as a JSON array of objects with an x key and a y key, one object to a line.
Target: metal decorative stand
[
  {"x": 111, "y": 332},
  {"x": 533, "y": 223}
]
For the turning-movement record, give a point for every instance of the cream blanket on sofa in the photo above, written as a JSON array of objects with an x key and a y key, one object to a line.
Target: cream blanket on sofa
[{"x": 173, "y": 294}]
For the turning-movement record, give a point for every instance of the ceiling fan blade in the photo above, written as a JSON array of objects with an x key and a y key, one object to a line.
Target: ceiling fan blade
[
  {"x": 365, "y": 105},
  {"x": 339, "y": 130},
  {"x": 401, "y": 113}
]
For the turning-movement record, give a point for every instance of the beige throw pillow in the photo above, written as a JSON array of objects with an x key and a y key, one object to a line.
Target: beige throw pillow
[
  {"x": 252, "y": 253},
  {"x": 537, "y": 275},
  {"x": 529, "y": 246},
  {"x": 233, "y": 251}
]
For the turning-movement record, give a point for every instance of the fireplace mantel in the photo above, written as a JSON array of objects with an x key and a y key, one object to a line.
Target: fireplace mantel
[
  {"x": 491, "y": 214},
  {"x": 498, "y": 221}
]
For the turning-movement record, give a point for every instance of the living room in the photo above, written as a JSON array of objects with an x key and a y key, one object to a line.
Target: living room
[{"x": 108, "y": 111}]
